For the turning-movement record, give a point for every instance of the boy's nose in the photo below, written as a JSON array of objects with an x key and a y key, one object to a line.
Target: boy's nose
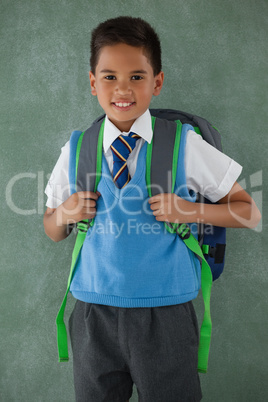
[{"x": 123, "y": 87}]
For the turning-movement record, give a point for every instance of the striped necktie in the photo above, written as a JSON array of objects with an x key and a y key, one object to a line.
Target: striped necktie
[{"x": 121, "y": 148}]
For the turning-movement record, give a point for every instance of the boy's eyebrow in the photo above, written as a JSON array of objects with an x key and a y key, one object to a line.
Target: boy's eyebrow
[
  {"x": 107, "y": 71},
  {"x": 131, "y": 72},
  {"x": 139, "y": 72}
]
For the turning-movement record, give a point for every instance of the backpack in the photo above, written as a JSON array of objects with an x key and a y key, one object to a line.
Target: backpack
[
  {"x": 209, "y": 246},
  {"x": 212, "y": 239}
]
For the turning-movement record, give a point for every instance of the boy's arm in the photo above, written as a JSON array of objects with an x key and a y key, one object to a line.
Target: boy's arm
[
  {"x": 237, "y": 210},
  {"x": 79, "y": 206}
]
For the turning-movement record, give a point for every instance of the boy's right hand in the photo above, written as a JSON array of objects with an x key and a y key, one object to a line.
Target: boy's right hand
[{"x": 79, "y": 206}]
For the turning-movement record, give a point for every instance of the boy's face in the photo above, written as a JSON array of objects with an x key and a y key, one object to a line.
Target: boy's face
[{"x": 124, "y": 84}]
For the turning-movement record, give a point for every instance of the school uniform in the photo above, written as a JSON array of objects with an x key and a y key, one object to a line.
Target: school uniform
[{"x": 134, "y": 320}]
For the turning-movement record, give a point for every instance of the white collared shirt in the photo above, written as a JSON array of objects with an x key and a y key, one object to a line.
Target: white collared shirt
[
  {"x": 208, "y": 171},
  {"x": 142, "y": 126}
]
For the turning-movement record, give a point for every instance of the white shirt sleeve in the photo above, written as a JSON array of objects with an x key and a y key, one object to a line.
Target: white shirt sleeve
[
  {"x": 208, "y": 171},
  {"x": 58, "y": 189}
]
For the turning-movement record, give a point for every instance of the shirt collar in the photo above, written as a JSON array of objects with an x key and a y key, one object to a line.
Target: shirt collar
[{"x": 141, "y": 126}]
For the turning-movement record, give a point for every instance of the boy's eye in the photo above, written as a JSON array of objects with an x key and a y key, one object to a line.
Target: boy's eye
[
  {"x": 136, "y": 77},
  {"x": 113, "y": 77}
]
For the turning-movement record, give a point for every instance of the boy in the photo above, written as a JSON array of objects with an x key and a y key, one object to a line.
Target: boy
[{"x": 134, "y": 321}]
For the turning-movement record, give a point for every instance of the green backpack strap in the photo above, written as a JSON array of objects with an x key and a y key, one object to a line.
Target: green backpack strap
[
  {"x": 61, "y": 328},
  {"x": 81, "y": 235},
  {"x": 183, "y": 232},
  {"x": 191, "y": 242}
]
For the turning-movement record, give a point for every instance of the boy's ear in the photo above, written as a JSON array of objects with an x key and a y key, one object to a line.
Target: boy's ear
[
  {"x": 92, "y": 83},
  {"x": 158, "y": 83}
]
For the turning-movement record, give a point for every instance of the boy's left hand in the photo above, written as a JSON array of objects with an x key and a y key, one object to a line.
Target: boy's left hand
[{"x": 169, "y": 207}]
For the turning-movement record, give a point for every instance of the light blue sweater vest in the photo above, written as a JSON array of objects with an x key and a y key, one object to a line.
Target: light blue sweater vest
[{"x": 128, "y": 258}]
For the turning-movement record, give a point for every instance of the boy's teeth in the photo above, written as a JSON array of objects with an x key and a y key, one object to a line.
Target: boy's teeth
[{"x": 120, "y": 104}]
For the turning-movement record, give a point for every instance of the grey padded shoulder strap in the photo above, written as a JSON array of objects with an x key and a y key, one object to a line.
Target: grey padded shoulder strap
[
  {"x": 208, "y": 132},
  {"x": 86, "y": 171},
  {"x": 162, "y": 156}
]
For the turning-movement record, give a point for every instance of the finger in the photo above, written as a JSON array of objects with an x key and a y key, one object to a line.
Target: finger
[
  {"x": 155, "y": 206},
  {"x": 88, "y": 195},
  {"x": 86, "y": 211},
  {"x": 86, "y": 204},
  {"x": 88, "y": 216},
  {"x": 90, "y": 213},
  {"x": 155, "y": 198},
  {"x": 161, "y": 218},
  {"x": 158, "y": 212}
]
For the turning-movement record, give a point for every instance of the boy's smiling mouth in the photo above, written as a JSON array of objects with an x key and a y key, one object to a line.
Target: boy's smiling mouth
[{"x": 123, "y": 105}]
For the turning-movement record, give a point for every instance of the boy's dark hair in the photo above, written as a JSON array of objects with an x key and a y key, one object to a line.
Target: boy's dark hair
[{"x": 131, "y": 31}]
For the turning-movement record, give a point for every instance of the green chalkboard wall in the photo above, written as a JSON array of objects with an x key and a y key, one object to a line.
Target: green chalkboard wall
[{"x": 215, "y": 64}]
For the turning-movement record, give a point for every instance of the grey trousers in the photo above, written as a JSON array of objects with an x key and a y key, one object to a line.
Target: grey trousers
[{"x": 154, "y": 348}]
